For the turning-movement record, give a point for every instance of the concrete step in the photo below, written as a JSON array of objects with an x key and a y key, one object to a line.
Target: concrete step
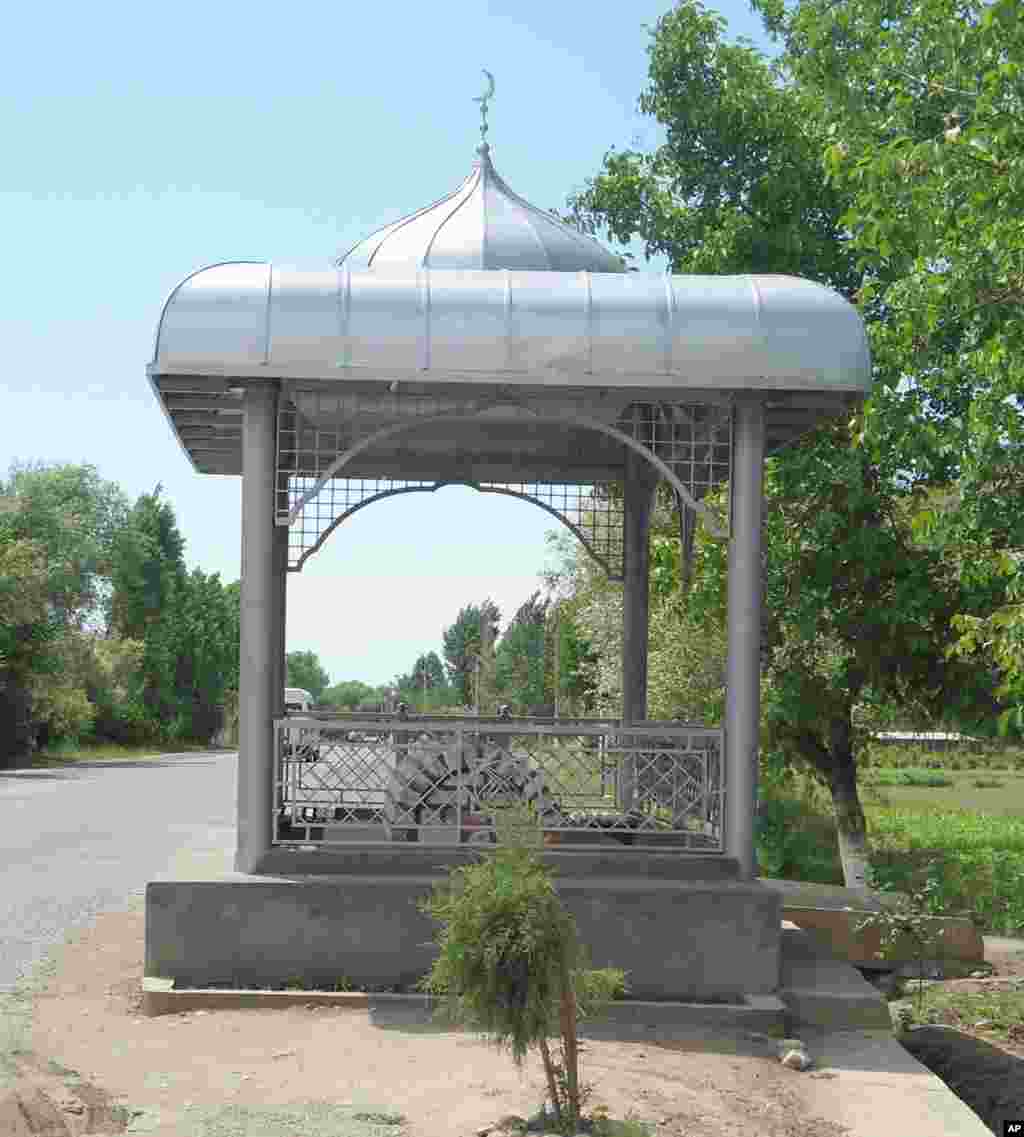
[{"x": 821, "y": 990}]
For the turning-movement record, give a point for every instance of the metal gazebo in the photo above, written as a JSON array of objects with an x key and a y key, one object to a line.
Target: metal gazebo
[{"x": 481, "y": 341}]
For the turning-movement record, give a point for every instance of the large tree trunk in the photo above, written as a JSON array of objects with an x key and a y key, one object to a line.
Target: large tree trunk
[
  {"x": 850, "y": 824},
  {"x": 834, "y": 761}
]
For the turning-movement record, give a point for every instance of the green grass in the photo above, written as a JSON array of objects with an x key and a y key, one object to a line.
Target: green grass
[
  {"x": 908, "y": 776},
  {"x": 950, "y": 825},
  {"x": 969, "y": 821},
  {"x": 62, "y": 755}
]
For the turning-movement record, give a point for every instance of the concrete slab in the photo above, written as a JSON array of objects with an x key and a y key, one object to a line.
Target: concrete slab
[
  {"x": 809, "y": 894},
  {"x": 866, "y": 1081}
]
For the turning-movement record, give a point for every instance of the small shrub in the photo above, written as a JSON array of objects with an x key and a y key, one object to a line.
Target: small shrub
[
  {"x": 510, "y": 963},
  {"x": 987, "y": 784}
]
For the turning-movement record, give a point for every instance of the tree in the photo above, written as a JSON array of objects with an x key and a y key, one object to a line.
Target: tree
[
  {"x": 577, "y": 664},
  {"x": 463, "y": 646},
  {"x": 102, "y": 627},
  {"x": 429, "y": 670},
  {"x": 112, "y": 684},
  {"x": 427, "y": 674},
  {"x": 188, "y": 625},
  {"x": 24, "y": 600},
  {"x": 149, "y": 565},
  {"x": 57, "y": 528},
  {"x": 519, "y": 664},
  {"x": 304, "y": 671},
  {"x": 426, "y": 686},
  {"x": 931, "y": 150},
  {"x": 207, "y": 643},
  {"x": 686, "y": 652},
  {"x": 61, "y": 707},
  {"x": 571, "y": 663},
  {"x": 746, "y": 182},
  {"x": 74, "y": 516},
  {"x": 1000, "y": 637},
  {"x": 148, "y": 579},
  {"x": 348, "y": 694}
]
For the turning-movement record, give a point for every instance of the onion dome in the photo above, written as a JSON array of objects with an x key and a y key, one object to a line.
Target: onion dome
[{"x": 481, "y": 225}]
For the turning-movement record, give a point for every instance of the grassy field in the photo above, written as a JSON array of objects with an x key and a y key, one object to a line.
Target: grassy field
[
  {"x": 110, "y": 752},
  {"x": 961, "y": 825}
]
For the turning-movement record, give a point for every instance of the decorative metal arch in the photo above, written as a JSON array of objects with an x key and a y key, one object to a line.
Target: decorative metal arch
[
  {"x": 690, "y": 445},
  {"x": 576, "y": 419},
  {"x": 608, "y": 553}
]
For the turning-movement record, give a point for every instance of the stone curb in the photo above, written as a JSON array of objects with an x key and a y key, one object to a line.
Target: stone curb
[{"x": 625, "y": 1017}]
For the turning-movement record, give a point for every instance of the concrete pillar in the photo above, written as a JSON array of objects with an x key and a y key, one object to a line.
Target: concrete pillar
[
  {"x": 639, "y": 485},
  {"x": 258, "y": 631},
  {"x": 743, "y": 674}
]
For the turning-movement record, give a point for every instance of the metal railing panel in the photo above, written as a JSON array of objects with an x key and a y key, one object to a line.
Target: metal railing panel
[{"x": 387, "y": 779}]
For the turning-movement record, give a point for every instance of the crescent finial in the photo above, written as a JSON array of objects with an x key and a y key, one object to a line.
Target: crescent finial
[{"x": 483, "y": 100}]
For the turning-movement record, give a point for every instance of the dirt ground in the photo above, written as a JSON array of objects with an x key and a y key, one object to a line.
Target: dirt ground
[{"x": 97, "y": 1066}]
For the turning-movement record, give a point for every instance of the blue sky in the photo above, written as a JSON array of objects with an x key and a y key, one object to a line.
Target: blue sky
[{"x": 141, "y": 143}]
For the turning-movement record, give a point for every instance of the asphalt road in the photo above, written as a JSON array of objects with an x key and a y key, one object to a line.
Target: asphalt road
[{"x": 84, "y": 839}]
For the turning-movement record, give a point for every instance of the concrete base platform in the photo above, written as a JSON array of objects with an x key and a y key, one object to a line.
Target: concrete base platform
[{"x": 683, "y": 928}]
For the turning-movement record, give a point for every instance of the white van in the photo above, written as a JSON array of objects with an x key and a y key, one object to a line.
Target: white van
[
  {"x": 297, "y": 701},
  {"x": 296, "y": 743}
]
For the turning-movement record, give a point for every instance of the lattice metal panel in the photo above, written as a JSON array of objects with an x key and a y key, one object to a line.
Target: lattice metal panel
[
  {"x": 595, "y": 517},
  {"x": 694, "y": 441},
  {"x": 315, "y": 428},
  {"x": 397, "y": 782},
  {"x": 307, "y": 450},
  {"x": 674, "y": 774}
]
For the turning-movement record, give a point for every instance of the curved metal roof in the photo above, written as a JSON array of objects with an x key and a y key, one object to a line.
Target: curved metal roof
[
  {"x": 601, "y": 341},
  {"x": 671, "y": 332},
  {"x": 481, "y": 225}
]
